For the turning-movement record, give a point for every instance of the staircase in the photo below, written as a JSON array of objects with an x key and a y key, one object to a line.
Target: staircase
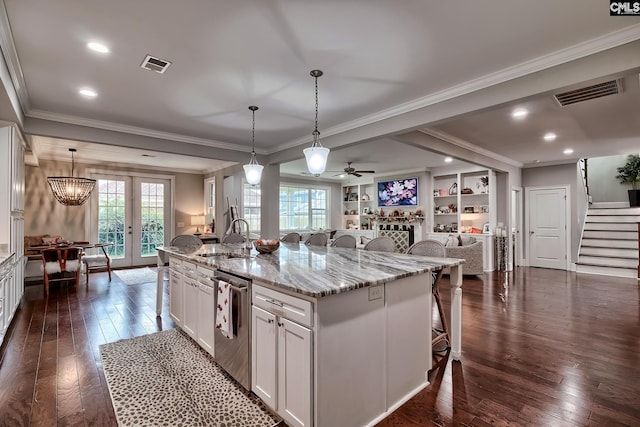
[{"x": 609, "y": 243}]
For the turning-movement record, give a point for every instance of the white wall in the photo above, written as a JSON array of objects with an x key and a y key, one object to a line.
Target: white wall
[{"x": 603, "y": 185}]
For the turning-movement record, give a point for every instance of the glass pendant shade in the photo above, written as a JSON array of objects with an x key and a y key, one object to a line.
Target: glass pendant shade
[
  {"x": 70, "y": 190},
  {"x": 316, "y": 155},
  {"x": 253, "y": 171}
]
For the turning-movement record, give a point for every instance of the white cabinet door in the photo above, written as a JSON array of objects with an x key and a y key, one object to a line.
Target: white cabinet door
[
  {"x": 206, "y": 317},
  {"x": 190, "y": 313},
  {"x": 294, "y": 373},
  {"x": 176, "y": 307},
  {"x": 264, "y": 366}
]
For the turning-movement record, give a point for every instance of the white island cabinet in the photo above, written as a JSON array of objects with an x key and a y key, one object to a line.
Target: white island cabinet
[
  {"x": 176, "y": 305},
  {"x": 281, "y": 344},
  {"x": 346, "y": 355}
]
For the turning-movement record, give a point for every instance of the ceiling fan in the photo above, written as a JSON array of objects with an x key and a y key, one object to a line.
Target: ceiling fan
[{"x": 352, "y": 171}]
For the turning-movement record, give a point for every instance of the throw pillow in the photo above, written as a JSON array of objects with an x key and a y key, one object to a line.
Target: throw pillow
[
  {"x": 451, "y": 242},
  {"x": 49, "y": 240},
  {"x": 467, "y": 240}
]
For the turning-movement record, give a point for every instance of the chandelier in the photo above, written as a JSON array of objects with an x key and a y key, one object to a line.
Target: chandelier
[
  {"x": 316, "y": 155},
  {"x": 70, "y": 190},
  {"x": 253, "y": 171}
]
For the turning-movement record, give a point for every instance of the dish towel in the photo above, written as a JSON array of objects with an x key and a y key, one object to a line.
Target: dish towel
[{"x": 224, "y": 313}]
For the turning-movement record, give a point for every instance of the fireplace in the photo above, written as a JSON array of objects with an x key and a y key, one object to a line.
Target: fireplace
[{"x": 402, "y": 234}]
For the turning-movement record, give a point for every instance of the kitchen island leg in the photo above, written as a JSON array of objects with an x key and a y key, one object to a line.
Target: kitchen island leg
[
  {"x": 455, "y": 332},
  {"x": 162, "y": 266}
]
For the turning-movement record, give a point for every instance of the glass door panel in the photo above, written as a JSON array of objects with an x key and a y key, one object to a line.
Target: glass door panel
[
  {"x": 151, "y": 218},
  {"x": 112, "y": 217},
  {"x": 134, "y": 214}
]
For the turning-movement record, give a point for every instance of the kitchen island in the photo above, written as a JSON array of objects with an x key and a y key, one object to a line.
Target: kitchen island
[{"x": 339, "y": 336}]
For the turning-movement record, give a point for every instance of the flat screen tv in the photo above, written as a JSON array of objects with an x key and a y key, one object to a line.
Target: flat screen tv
[{"x": 399, "y": 192}]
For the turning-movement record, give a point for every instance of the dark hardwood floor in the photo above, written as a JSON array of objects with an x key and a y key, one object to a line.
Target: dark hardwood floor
[{"x": 540, "y": 348}]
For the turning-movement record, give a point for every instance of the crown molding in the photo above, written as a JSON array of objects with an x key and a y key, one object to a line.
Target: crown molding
[
  {"x": 134, "y": 130},
  {"x": 580, "y": 50},
  {"x": 11, "y": 59},
  {"x": 469, "y": 146}
]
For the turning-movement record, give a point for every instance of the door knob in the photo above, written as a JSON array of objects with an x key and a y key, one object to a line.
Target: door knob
[{"x": 531, "y": 232}]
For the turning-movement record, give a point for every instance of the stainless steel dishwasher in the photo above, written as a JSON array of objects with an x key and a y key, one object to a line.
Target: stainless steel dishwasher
[{"x": 233, "y": 354}]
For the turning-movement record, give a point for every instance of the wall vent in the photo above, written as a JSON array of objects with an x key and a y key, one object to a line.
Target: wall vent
[
  {"x": 155, "y": 64},
  {"x": 599, "y": 90}
]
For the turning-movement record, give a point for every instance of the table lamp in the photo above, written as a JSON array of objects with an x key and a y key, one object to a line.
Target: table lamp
[{"x": 197, "y": 220}]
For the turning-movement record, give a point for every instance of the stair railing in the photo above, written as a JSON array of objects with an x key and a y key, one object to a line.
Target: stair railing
[{"x": 585, "y": 179}]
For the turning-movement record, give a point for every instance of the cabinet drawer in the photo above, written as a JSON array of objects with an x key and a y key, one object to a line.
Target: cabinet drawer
[
  {"x": 175, "y": 263},
  {"x": 189, "y": 269},
  {"x": 205, "y": 275},
  {"x": 283, "y": 305}
]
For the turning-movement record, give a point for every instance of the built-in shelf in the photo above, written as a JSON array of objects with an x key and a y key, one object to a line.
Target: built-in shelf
[{"x": 460, "y": 212}]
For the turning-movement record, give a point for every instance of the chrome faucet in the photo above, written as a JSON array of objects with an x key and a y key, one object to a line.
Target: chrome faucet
[{"x": 247, "y": 241}]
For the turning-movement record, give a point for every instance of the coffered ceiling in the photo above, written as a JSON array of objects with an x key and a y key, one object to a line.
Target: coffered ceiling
[{"x": 383, "y": 60}]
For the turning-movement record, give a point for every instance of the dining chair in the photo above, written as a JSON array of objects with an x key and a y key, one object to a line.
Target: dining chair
[
  {"x": 233, "y": 238},
  {"x": 58, "y": 261},
  {"x": 96, "y": 261},
  {"x": 381, "y": 244},
  {"x": 344, "y": 241},
  {"x": 434, "y": 248},
  {"x": 291, "y": 238},
  {"x": 186, "y": 241},
  {"x": 318, "y": 239}
]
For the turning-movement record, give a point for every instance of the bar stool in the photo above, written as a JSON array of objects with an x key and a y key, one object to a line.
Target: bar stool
[{"x": 434, "y": 248}]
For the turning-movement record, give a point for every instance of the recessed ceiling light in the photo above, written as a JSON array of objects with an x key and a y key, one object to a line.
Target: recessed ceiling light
[
  {"x": 88, "y": 92},
  {"x": 98, "y": 47},
  {"x": 448, "y": 159},
  {"x": 568, "y": 151},
  {"x": 519, "y": 113},
  {"x": 550, "y": 136}
]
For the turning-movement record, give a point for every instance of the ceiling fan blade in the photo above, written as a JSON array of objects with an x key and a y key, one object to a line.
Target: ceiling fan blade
[
  {"x": 365, "y": 171},
  {"x": 356, "y": 174}
]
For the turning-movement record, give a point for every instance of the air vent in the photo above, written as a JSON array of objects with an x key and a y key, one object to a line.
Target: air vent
[
  {"x": 599, "y": 90},
  {"x": 155, "y": 64}
]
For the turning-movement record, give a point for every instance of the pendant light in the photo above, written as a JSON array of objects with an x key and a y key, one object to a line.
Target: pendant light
[
  {"x": 70, "y": 190},
  {"x": 316, "y": 155},
  {"x": 253, "y": 171}
]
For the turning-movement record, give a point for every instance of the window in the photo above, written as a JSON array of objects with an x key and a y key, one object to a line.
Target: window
[
  {"x": 251, "y": 206},
  {"x": 303, "y": 208},
  {"x": 210, "y": 195}
]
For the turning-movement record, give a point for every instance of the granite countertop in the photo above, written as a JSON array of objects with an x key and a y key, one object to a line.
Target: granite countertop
[{"x": 312, "y": 270}]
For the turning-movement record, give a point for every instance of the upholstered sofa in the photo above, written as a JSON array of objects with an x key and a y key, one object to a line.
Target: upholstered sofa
[{"x": 471, "y": 252}]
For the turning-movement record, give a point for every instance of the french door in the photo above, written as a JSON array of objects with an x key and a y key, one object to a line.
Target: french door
[{"x": 133, "y": 213}]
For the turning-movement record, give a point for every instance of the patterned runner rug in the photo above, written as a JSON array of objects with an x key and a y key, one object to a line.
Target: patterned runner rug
[
  {"x": 136, "y": 276},
  {"x": 166, "y": 379}
]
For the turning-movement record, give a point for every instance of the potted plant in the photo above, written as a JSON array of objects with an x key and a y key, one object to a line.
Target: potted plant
[{"x": 630, "y": 174}]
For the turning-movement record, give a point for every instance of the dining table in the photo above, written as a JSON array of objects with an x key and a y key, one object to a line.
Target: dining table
[{"x": 83, "y": 245}]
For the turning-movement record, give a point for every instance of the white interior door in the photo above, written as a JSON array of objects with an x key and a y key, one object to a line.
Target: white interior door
[
  {"x": 547, "y": 226},
  {"x": 134, "y": 214}
]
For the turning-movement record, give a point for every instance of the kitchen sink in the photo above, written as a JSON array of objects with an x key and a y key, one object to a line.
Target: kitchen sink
[
  {"x": 214, "y": 255},
  {"x": 221, "y": 256}
]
